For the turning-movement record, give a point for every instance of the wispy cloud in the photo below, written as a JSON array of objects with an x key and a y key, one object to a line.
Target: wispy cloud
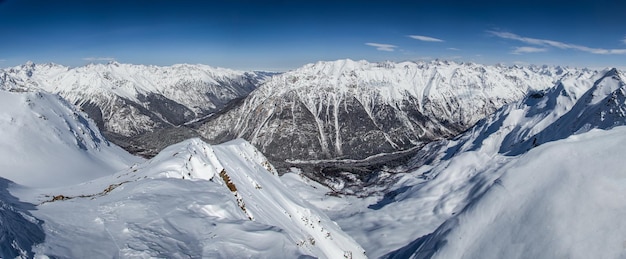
[
  {"x": 521, "y": 50},
  {"x": 624, "y": 40},
  {"x": 455, "y": 49},
  {"x": 99, "y": 59},
  {"x": 382, "y": 47},
  {"x": 425, "y": 38},
  {"x": 453, "y": 57},
  {"x": 2, "y": 60},
  {"x": 556, "y": 44}
]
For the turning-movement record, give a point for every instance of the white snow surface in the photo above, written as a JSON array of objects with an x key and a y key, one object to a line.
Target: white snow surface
[
  {"x": 47, "y": 142},
  {"x": 500, "y": 190},
  {"x": 179, "y": 205},
  {"x": 66, "y": 192},
  {"x": 125, "y": 80},
  {"x": 565, "y": 199},
  {"x": 456, "y": 92},
  {"x": 200, "y": 89},
  {"x": 449, "y": 175},
  {"x": 347, "y": 109}
]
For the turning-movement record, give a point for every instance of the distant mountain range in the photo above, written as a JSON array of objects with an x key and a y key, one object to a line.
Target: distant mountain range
[
  {"x": 130, "y": 99},
  {"x": 322, "y": 117},
  {"x": 540, "y": 176},
  {"x": 356, "y": 109},
  {"x": 324, "y": 111}
]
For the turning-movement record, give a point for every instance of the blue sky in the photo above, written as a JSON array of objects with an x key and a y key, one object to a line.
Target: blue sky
[{"x": 282, "y": 35}]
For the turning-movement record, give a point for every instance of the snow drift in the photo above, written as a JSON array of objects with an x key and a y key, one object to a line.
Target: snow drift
[
  {"x": 564, "y": 199},
  {"x": 191, "y": 200}
]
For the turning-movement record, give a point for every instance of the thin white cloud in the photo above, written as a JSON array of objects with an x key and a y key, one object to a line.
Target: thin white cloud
[
  {"x": 556, "y": 44},
  {"x": 382, "y": 47},
  {"x": 425, "y": 38},
  {"x": 521, "y": 50},
  {"x": 624, "y": 40},
  {"x": 455, "y": 49},
  {"x": 98, "y": 59},
  {"x": 2, "y": 60}
]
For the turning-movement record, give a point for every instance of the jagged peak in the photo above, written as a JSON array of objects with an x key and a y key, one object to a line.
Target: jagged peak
[
  {"x": 612, "y": 72},
  {"x": 340, "y": 63},
  {"x": 343, "y": 65}
]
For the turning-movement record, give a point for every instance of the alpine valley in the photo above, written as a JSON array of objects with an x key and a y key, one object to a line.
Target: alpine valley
[{"x": 336, "y": 159}]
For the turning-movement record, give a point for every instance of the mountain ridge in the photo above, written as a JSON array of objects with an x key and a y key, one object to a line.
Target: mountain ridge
[
  {"x": 128, "y": 99},
  {"x": 322, "y": 109}
]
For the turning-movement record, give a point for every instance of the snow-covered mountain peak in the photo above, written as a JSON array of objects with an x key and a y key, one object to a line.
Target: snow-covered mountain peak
[
  {"x": 28, "y": 65},
  {"x": 337, "y": 66},
  {"x": 128, "y": 99},
  {"x": 25, "y": 72},
  {"x": 608, "y": 84},
  {"x": 200, "y": 161},
  {"x": 334, "y": 104}
]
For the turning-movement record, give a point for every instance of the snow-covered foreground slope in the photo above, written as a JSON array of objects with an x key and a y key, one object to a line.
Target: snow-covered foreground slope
[
  {"x": 355, "y": 109},
  {"x": 191, "y": 200},
  {"x": 448, "y": 175},
  {"x": 66, "y": 192},
  {"x": 47, "y": 142},
  {"x": 18, "y": 228},
  {"x": 565, "y": 199}
]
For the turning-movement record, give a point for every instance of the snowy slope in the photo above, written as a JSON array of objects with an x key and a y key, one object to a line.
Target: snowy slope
[
  {"x": 47, "y": 142},
  {"x": 191, "y": 200},
  {"x": 558, "y": 174},
  {"x": 66, "y": 192},
  {"x": 18, "y": 228},
  {"x": 562, "y": 200},
  {"x": 355, "y": 109},
  {"x": 131, "y": 99},
  {"x": 450, "y": 174}
]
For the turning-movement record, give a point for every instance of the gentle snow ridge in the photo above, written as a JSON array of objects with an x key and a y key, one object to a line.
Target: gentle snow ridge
[{"x": 193, "y": 199}]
